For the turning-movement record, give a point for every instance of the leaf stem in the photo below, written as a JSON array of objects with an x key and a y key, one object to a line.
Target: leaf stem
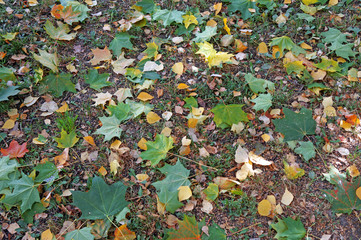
[
  {"x": 188, "y": 159},
  {"x": 243, "y": 229}
]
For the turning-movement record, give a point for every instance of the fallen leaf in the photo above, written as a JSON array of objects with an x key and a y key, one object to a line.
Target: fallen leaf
[
  {"x": 217, "y": 8},
  {"x": 62, "y": 158},
  {"x": 264, "y": 208},
  {"x": 47, "y": 235},
  {"x": 142, "y": 144},
  {"x": 142, "y": 177},
  {"x": 178, "y": 68},
  {"x": 102, "y": 171},
  {"x": 15, "y": 150},
  {"x": 100, "y": 55},
  {"x": 123, "y": 233},
  {"x": 9, "y": 124},
  {"x": 90, "y": 140},
  {"x": 358, "y": 193},
  {"x": 152, "y": 117},
  {"x": 353, "y": 171},
  {"x": 207, "y": 207},
  {"x": 184, "y": 193},
  {"x": 145, "y": 96},
  {"x": 262, "y": 48},
  {"x": 287, "y": 197}
]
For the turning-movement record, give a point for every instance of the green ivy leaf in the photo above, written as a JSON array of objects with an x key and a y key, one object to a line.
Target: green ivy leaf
[
  {"x": 121, "y": 111},
  {"x": 7, "y": 167},
  {"x": 211, "y": 191},
  {"x": 102, "y": 200},
  {"x": 59, "y": 83},
  {"x": 60, "y": 32},
  {"x": 307, "y": 150},
  {"x": 158, "y": 149},
  {"x": 147, "y": 6},
  {"x": 295, "y": 125},
  {"x": 82, "y": 234},
  {"x": 49, "y": 60},
  {"x": 24, "y": 192},
  {"x": 206, "y": 34},
  {"x": 121, "y": 40},
  {"x": 96, "y": 80},
  {"x": 263, "y": 102},
  {"x": 258, "y": 85},
  {"x": 168, "y": 16},
  {"x": 110, "y": 127},
  {"x": 67, "y": 140},
  {"x": 243, "y": 6},
  {"x": 289, "y": 229},
  {"x": 227, "y": 115},
  {"x": 7, "y": 74},
  {"x": 48, "y": 172}
]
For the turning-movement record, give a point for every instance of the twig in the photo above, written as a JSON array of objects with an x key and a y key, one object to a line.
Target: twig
[
  {"x": 243, "y": 229},
  {"x": 357, "y": 216},
  {"x": 188, "y": 159}
]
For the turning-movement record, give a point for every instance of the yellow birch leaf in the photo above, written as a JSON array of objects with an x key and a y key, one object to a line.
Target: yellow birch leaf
[
  {"x": 353, "y": 171},
  {"x": 141, "y": 144},
  {"x": 345, "y": 125},
  {"x": 192, "y": 122},
  {"x": 145, "y": 96},
  {"x": 142, "y": 177},
  {"x": 114, "y": 165},
  {"x": 9, "y": 124},
  {"x": 188, "y": 20},
  {"x": 182, "y": 86},
  {"x": 287, "y": 197},
  {"x": 217, "y": 8},
  {"x": 279, "y": 209},
  {"x": 178, "y": 68},
  {"x": 102, "y": 171},
  {"x": 115, "y": 145},
  {"x": 160, "y": 206},
  {"x": 90, "y": 140},
  {"x": 306, "y": 46},
  {"x": 184, "y": 193},
  {"x": 358, "y": 193},
  {"x": 308, "y": 2},
  {"x": 211, "y": 23},
  {"x": 197, "y": 111},
  {"x": 264, "y": 208},
  {"x": 275, "y": 50},
  {"x": 47, "y": 235},
  {"x": 226, "y": 27},
  {"x": 152, "y": 117},
  {"x": 266, "y": 137},
  {"x": 332, "y": 3},
  {"x": 330, "y": 111},
  {"x": 287, "y": 1}
]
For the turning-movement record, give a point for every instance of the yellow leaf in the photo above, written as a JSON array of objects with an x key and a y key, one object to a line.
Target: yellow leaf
[
  {"x": 32, "y": 3},
  {"x": 352, "y": 75},
  {"x": 47, "y": 235},
  {"x": 184, "y": 193},
  {"x": 188, "y": 20},
  {"x": 102, "y": 171},
  {"x": 217, "y": 8},
  {"x": 90, "y": 140},
  {"x": 182, "y": 86},
  {"x": 211, "y": 23},
  {"x": 152, "y": 117},
  {"x": 38, "y": 142},
  {"x": 178, "y": 68},
  {"x": 308, "y": 2},
  {"x": 116, "y": 144},
  {"x": 9, "y": 124},
  {"x": 353, "y": 171},
  {"x": 275, "y": 50},
  {"x": 141, "y": 144},
  {"x": 63, "y": 108},
  {"x": 142, "y": 177},
  {"x": 2, "y": 2},
  {"x": 266, "y": 137},
  {"x": 332, "y": 3},
  {"x": 287, "y": 1},
  {"x": 330, "y": 111},
  {"x": 293, "y": 171},
  {"x": 287, "y": 197},
  {"x": 306, "y": 46},
  {"x": 197, "y": 111},
  {"x": 271, "y": 199},
  {"x": 166, "y": 131},
  {"x": 345, "y": 125},
  {"x": 114, "y": 165},
  {"x": 264, "y": 208},
  {"x": 219, "y": 58},
  {"x": 226, "y": 27},
  {"x": 192, "y": 122},
  {"x": 358, "y": 193},
  {"x": 319, "y": 75},
  {"x": 145, "y": 96},
  {"x": 160, "y": 206}
]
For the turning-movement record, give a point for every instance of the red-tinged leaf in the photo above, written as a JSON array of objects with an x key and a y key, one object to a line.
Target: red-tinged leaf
[
  {"x": 69, "y": 15},
  {"x": 188, "y": 229},
  {"x": 123, "y": 233},
  {"x": 56, "y": 11},
  {"x": 15, "y": 150}
]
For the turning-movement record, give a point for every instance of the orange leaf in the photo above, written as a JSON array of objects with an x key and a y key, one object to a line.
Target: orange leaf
[
  {"x": 62, "y": 158},
  {"x": 15, "y": 150},
  {"x": 102, "y": 171},
  {"x": 353, "y": 119},
  {"x": 145, "y": 96},
  {"x": 123, "y": 233},
  {"x": 192, "y": 122},
  {"x": 56, "y": 11},
  {"x": 240, "y": 47},
  {"x": 90, "y": 140},
  {"x": 69, "y": 15}
]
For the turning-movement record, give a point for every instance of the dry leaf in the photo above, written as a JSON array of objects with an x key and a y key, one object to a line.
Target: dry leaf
[
  {"x": 47, "y": 235},
  {"x": 353, "y": 171},
  {"x": 152, "y": 117},
  {"x": 90, "y": 140},
  {"x": 102, "y": 98},
  {"x": 182, "y": 86},
  {"x": 241, "y": 155},
  {"x": 62, "y": 158},
  {"x": 116, "y": 144},
  {"x": 258, "y": 159},
  {"x": 9, "y": 124},
  {"x": 63, "y": 108},
  {"x": 287, "y": 197},
  {"x": 207, "y": 207},
  {"x": 114, "y": 166},
  {"x": 262, "y": 48},
  {"x": 141, "y": 144},
  {"x": 142, "y": 177},
  {"x": 217, "y": 8},
  {"x": 184, "y": 193},
  {"x": 102, "y": 171},
  {"x": 160, "y": 206},
  {"x": 100, "y": 55},
  {"x": 264, "y": 208},
  {"x": 178, "y": 68},
  {"x": 358, "y": 193},
  {"x": 143, "y": 96}
]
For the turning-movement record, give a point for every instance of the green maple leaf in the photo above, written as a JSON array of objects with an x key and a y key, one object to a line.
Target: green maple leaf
[
  {"x": 285, "y": 42},
  {"x": 227, "y": 115},
  {"x": 59, "y": 83},
  {"x": 8, "y": 92},
  {"x": 121, "y": 40},
  {"x": 258, "y": 85},
  {"x": 206, "y": 34},
  {"x": 147, "y": 5},
  {"x": 121, "y": 111},
  {"x": 334, "y": 35},
  {"x": 7, "y": 167},
  {"x": 289, "y": 229},
  {"x": 337, "y": 39},
  {"x": 48, "y": 172},
  {"x": 60, "y": 32},
  {"x": 28, "y": 215},
  {"x": 158, "y": 149},
  {"x": 96, "y": 80},
  {"x": 296, "y": 67},
  {"x": 343, "y": 198},
  {"x": 49, "y": 60},
  {"x": 79, "y": 9},
  {"x": 102, "y": 200},
  {"x": 81, "y": 234},
  {"x": 343, "y": 50},
  {"x": 187, "y": 229},
  {"x": 307, "y": 150},
  {"x": 243, "y": 6},
  {"x": 211, "y": 191},
  {"x": 24, "y": 192},
  {"x": 263, "y": 102},
  {"x": 328, "y": 65},
  {"x": 67, "y": 140},
  {"x": 167, "y": 189},
  {"x": 7, "y": 74},
  {"x": 137, "y": 108},
  {"x": 168, "y": 16},
  {"x": 110, "y": 127},
  {"x": 295, "y": 125}
]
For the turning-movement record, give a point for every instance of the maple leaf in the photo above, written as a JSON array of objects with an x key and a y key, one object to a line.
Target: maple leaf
[
  {"x": 147, "y": 5},
  {"x": 211, "y": 191},
  {"x": 119, "y": 66},
  {"x": 15, "y": 150},
  {"x": 7, "y": 74},
  {"x": 96, "y": 80},
  {"x": 158, "y": 149},
  {"x": 227, "y": 115},
  {"x": 213, "y": 57},
  {"x": 78, "y": 7},
  {"x": 295, "y": 125},
  {"x": 57, "y": 84},
  {"x": 49, "y": 60},
  {"x": 121, "y": 40},
  {"x": 47, "y": 172},
  {"x": 306, "y": 149},
  {"x": 285, "y": 42},
  {"x": 110, "y": 127},
  {"x": 80, "y": 234},
  {"x": 263, "y": 102},
  {"x": 8, "y": 92},
  {"x": 243, "y": 6},
  {"x": 123, "y": 233},
  {"x": 101, "y": 201},
  {"x": 289, "y": 229},
  {"x": 60, "y": 32},
  {"x": 189, "y": 19},
  {"x": 121, "y": 111},
  {"x": 168, "y": 16},
  {"x": 258, "y": 85},
  {"x": 328, "y": 65},
  {"x": 7, "y": 167},
  {"x": 187, "y": 229},
  {"x": 344, "y": 198},
  {"x": 67, "y": 140},
  {"x": 100, "y": 55},
  {"x": 338, "y": 43},
  {"x": 69, "y": 15}
]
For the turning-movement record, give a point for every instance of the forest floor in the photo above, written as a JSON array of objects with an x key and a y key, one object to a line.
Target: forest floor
[{"x": 188, "y": 119}]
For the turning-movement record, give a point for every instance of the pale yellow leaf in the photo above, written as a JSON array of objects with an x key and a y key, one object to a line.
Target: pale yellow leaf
[
  {"x": 353, "y": 171},
  {"x": 332, "y": 3},
  {"x": 266, "y": 137},
  {"x": 228, "y": 30},
  {"x": 114, "y": 165},
  {"x": 258, "y": 159},
  {"x": 178, "y": 68},
  {"x": 152, "y": 117},
  {"x": 264, "y": 208},
  {"x": 142, "y": 177},
  {"x": 47, "y": 235},
  {"x": 287, "y": 197},
  {"x": 184, "y": 193},
  {"x": 9, "y": 124}
]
